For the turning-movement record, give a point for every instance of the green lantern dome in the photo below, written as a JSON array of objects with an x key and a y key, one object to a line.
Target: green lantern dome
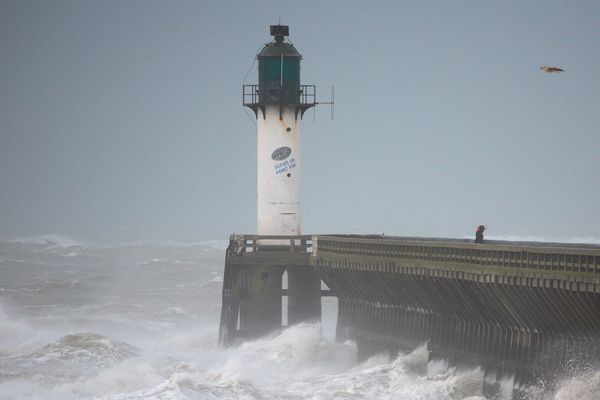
[
  {"x": 279, "y": 70},
  {"x": 279, "y": 78}
]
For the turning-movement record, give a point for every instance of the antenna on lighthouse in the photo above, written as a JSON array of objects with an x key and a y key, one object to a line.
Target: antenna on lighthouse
[{"x": 331, "y": 103}]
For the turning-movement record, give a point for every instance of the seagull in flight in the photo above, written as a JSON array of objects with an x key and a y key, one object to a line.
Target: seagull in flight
[{"x": 550, "y": 70}]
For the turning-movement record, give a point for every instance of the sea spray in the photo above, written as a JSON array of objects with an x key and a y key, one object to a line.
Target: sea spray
[
  {"x": 16, "y": 335},
  {"x": 297, "y": 353},
  {"x": 585, "y": 386}
]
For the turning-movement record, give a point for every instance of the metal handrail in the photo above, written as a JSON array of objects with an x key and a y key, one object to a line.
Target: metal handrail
[
  {"x": 566, "y": 259},
  {"x": 251, "y": 94},
  {"x": 255, "y": 244},
  {"x": 532, "y": 257}
]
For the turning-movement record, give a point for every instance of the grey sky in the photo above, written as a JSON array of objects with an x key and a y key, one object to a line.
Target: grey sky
[{"x": 121, "y": 120}]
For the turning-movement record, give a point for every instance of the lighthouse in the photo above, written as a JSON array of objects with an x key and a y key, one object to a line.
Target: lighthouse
[{"x": 279, "y": 101}]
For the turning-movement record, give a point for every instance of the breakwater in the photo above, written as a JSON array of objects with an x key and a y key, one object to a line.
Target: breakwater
[{"x": 528, "y": 310}]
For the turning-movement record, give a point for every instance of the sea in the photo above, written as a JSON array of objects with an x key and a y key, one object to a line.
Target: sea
[{"x": 139, "y": 321}]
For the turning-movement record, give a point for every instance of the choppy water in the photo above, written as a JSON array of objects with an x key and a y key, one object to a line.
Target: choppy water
[{"x": 140, "y": 322}]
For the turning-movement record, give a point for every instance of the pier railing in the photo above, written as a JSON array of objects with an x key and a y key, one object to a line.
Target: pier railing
[
  {"x": 260, "y": 244},
  {"x": 582, "y": 261},
  {"x": 253, "y": 95},
  {"x": 543, "y": 257}
]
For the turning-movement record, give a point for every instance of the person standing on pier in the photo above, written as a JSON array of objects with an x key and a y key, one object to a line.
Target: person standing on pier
[{"x": 479, "y": 234}]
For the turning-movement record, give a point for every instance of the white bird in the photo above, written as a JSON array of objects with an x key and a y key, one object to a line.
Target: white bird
[{"x": 550, "y": 70}]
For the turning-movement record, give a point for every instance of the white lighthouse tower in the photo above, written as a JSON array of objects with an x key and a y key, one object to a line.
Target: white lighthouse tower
[{"x": 279, "y": 102}]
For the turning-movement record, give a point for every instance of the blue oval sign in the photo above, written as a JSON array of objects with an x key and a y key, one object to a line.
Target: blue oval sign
[{"x": 281, "y": 153}]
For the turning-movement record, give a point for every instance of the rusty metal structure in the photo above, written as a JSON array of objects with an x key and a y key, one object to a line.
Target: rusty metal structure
[{"x": 526, "y": 309}]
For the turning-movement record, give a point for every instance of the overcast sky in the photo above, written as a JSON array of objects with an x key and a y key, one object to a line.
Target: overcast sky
[{"x": 122, "y": 120}]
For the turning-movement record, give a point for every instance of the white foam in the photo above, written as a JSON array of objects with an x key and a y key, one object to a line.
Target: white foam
[
  {"x": 437, "y": 367},
  {"x": 16, "y": 335},
  {"x": 469, "y": 384},
  {"x": 51, "y": 241},
  {"x": 153, "y": 261},
  {"x": 297, "y": 353},
  {"x": 506, "y": 386},
  {"x": 129, "y": 376},
  {"x": 216, "y": 279},
  {"x": 582, "y": 387},
  {"x": 208, "y": 244},
  {"x": 378, "y": 379}
]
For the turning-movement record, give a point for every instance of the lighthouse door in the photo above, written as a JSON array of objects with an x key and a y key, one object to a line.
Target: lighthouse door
[{"x": 289, "y": 224}]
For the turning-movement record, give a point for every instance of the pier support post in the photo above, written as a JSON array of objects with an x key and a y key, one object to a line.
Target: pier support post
[
  {"x": 304, "y": 295},
  {"x": 261, "y": 287},
  {"x": 230, "y": 303}
]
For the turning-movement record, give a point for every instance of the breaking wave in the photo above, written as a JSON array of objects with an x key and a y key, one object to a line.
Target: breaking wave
[
  {"x": 50, "y": 241},
  {"x": 298, "y": 364},
  {"x": 69, "y": 357},
  {"x": 16, "y": 334}
]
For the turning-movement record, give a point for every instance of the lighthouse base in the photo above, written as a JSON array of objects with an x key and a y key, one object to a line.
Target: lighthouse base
[
  {"x": 260, "y": 308},
  {"x": 252, "y": 287}
]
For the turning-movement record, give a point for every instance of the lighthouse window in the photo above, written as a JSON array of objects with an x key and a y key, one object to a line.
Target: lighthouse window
[
  {"x": 291, "y": 69},
  {"x": 271, "y": 69}
]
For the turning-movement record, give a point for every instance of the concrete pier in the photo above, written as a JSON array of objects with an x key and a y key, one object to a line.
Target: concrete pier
[
  {"x": 522, "y": 309},
  {"x": 252, "y": 285}
]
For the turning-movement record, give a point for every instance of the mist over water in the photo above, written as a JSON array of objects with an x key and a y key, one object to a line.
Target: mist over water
[{"x": 140, "y": 321}]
